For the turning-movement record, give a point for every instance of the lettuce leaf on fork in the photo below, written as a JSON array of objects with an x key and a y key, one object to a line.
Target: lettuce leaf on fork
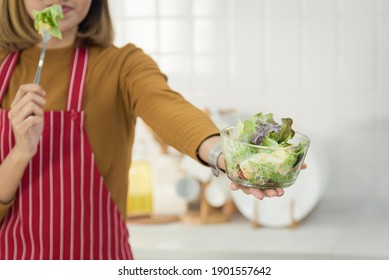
[{"x": 48, "y": 19}]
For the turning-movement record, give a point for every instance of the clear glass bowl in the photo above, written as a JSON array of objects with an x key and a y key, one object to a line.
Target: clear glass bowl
[{"x": 263, "y": 167}]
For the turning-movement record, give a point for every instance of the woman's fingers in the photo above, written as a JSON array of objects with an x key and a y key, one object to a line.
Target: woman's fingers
[
  {"x": 28, "y": 100},
  {"x": 280, "y": 191},
  {"x": 27, "y": 118},
  {"x": 270, "y": 192},
  {"x": 28, "y": 123},
  {"x": 29, "y": 109},
  {"x": 258, "y": 193},
  {"x": 24, "y": 89}
]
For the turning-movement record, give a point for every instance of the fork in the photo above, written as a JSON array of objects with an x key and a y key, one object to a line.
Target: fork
[{"x": 46, "y": 37}]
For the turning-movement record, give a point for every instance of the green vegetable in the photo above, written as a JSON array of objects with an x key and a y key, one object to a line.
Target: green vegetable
[
  {"x": 48, "y": 19},
  {"x": 258, "y": 127},
  {"x": 277, "y": 163}
]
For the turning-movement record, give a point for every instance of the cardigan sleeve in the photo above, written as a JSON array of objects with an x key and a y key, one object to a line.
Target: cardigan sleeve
[{"x": 178, "y": 122}]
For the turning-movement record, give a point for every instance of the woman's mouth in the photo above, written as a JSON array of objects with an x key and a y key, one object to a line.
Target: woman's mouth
[{"x": 66, "y": 9}]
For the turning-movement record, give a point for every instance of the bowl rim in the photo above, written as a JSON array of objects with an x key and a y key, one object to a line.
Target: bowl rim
[{"x": 223, "y": 133}]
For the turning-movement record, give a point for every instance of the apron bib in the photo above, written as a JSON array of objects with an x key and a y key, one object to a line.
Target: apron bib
[{"x": 62, "y": 209}]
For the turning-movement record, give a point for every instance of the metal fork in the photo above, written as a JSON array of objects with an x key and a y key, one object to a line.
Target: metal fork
[{"x": 46, "y": 37}]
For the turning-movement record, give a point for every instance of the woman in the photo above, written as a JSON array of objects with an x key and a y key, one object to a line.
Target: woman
[{"x": 65, "y": 145}]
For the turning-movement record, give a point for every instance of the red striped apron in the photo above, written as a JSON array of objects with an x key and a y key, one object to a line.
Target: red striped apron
[{"x": 62, "y": 209}]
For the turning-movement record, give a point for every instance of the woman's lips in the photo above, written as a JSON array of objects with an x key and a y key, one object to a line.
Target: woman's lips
[{"x": 66, "y": 9}]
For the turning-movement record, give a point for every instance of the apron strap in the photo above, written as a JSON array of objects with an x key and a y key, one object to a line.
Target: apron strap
[
  {"x": 77, "y": 79},
  {"x": 6, "y": 70}
]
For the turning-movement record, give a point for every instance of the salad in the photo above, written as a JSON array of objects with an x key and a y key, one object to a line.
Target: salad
[
  {"x": 47, "y": 19},
  {"x": 263, "y": 153}
]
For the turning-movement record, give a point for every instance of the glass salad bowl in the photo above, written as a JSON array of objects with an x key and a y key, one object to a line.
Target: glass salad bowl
[{"x": 263, "y": 166}]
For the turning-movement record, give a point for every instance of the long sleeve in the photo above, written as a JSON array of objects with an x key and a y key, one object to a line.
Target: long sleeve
[{"x": 174, "y": 119}]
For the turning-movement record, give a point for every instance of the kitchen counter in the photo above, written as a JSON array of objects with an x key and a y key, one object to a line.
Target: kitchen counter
[{"x": 336, "y": 229}]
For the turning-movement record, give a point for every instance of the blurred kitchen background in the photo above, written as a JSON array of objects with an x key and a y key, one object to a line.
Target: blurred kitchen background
[{"x": 323, "y": 63}]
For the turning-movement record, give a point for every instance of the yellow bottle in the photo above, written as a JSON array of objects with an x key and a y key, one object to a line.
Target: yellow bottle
[{"x": 140, "y": 192}]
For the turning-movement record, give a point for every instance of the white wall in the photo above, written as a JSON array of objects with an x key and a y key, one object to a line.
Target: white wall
[{"x": 324, "y": 63}]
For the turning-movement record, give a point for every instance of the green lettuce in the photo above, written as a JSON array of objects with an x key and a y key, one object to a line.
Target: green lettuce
[
  {"x": 48, "y": 19},
  {"x": 277, "y": 164},
  {"x": 263, "y": 130}
]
